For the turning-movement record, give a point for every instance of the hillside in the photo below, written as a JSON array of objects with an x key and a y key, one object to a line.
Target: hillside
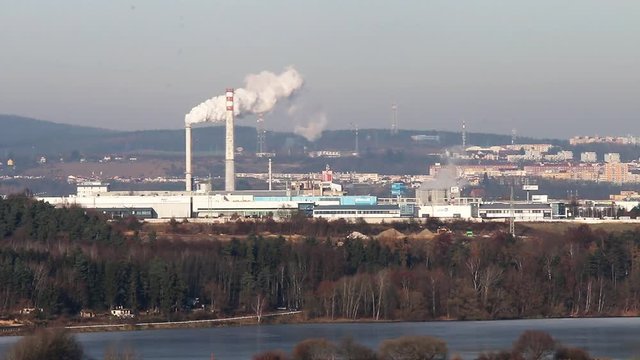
[
  {"x": 21, "y": 134},
  {"x": 30, "y": 137}
]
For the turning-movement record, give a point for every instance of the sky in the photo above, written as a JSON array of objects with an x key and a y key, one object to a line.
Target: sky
[{"x": 547, "y": 68}]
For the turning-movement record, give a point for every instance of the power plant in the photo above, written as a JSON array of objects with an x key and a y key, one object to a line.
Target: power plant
[
  {"x": 230, "y": 175},
  {"x": 316, "y": 197}
]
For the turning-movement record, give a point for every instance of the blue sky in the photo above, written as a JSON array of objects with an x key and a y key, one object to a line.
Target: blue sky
[{"x": 546, "y": 67}]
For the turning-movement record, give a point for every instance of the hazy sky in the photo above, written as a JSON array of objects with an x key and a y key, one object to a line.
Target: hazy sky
[{"x": 545, "y": 67}]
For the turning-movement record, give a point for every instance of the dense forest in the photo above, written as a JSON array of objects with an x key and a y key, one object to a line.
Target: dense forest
[{"x": 66, "y": 260}]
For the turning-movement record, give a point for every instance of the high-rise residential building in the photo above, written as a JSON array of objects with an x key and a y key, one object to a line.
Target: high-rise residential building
[
  {"x": 589, "y": 157},
  {"x": 616, "y": 172},
  {"x": 612, "y": 157}
]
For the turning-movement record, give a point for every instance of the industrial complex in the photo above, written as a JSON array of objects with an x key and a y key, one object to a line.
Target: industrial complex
[{"x": 317, "y": 198}]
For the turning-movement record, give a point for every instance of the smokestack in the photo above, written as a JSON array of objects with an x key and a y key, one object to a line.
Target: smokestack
[
  {"x": 230, "y": 173},
  {"x": 188, "y": 176},
  {"x": 270, "y": 174}
]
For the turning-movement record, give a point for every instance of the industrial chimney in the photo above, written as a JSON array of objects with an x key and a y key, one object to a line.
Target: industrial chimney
[
  {"x": 230, "y": 174},
  {"x": 188, "y": 175}
]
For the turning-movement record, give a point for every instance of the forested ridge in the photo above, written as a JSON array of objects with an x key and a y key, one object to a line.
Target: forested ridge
[{"x": 66, "y": 260}]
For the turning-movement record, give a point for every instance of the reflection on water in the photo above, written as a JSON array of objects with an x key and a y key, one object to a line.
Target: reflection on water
[{"x": 616, "y": 338}]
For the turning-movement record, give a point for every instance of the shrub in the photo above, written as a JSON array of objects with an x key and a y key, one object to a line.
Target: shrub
[
  {"x": 46, "y": 344},
  {"x": 501, "y": 355},
  {"x": 314, "y": 349},
  {"x": 535, "y": 345},
  {"x": 271, "y": 355},
  {"x": 571, "y": 354},
  {"x": 413, "y": 348},
  {"x": 350, "y": 350}
]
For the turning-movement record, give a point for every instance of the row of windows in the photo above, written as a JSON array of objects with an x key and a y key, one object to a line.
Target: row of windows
[
  {"x": 334, "y": 212},
  {"x": 353, "y": 212},
  {"x": 515, "y": 211}
]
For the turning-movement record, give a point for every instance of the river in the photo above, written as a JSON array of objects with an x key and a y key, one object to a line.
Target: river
[{"x": 616, "y": 338}]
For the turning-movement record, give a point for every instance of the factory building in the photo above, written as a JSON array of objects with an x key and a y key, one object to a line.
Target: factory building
[
  {"x": 522, "y": 211},
  {"x": 199, "y": 204},
  {"x": 452, "y": 212},
  {"x": 205, "y": 203},
  {"x": 357, "y": 211}
]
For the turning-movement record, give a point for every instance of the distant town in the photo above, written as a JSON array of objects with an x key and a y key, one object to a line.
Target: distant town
[{"x": 507, "y": 180}]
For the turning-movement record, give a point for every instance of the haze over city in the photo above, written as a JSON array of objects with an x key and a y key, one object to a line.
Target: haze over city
[{"x": 546, "y": 68}]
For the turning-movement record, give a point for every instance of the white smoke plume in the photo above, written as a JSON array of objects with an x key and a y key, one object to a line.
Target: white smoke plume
[
  {"x": 446, "y": 177},
  {"x": 314, "y": 127},
  {"x": 259, "y": 95}
]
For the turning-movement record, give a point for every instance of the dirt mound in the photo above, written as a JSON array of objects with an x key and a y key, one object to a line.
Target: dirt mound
[
  {"x": 424, "y": 234},
  {"x": 391, "y": 234}
]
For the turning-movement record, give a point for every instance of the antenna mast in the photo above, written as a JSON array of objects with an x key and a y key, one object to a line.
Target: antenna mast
[
  {"x": 260, "y": 146},
  {"x": 394, "y": 121},
  {"x": 357, "y": 145}
]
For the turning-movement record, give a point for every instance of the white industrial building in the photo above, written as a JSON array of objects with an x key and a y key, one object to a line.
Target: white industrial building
[
  {"x": 522, "y": 211},
  {"x": 203, "y": 203},
  {"x": 463, "y": 212}
]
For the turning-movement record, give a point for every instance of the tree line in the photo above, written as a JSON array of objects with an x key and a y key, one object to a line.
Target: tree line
[{"x": 66, "y": 260}]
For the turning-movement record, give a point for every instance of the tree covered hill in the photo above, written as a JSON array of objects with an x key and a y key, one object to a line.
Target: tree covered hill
[
  {"x": 21, "y": 134},
  {"x": 30, "y": 137}
]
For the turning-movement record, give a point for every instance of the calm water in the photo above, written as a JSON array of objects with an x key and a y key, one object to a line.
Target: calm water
[{"x": 617, "y": 338}]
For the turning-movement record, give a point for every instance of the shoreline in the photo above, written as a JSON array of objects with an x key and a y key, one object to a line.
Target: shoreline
[
  {"x": 248, "y": 320},
  {"x": 23, "y": 330},
  {"x": 185, "y": 324}
]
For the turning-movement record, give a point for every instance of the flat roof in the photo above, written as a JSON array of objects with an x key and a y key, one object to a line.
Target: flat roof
[
  {"x": 515, "y": 206},
  {"x": 357, "y": 207}
]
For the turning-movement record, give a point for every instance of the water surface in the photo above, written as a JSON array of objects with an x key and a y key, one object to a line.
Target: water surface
[{"x": 616, "y": 338}]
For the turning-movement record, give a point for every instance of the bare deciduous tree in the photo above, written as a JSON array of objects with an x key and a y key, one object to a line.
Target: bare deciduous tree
[
  {"x": 413, "y": 348},
  {"x": 535, "y": 345}
]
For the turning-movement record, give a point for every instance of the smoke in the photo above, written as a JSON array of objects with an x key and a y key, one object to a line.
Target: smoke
[
  {"x": 260, "y": 94},
  {"x": 314, "y": 127},
  {"x": 446, "y": 177}
]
